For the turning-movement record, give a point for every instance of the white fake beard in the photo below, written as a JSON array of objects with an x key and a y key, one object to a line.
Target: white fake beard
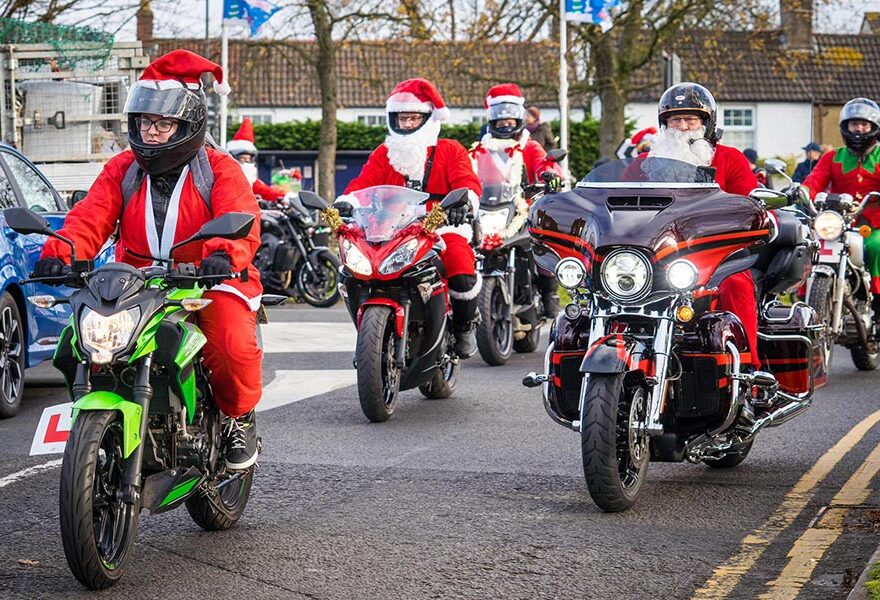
[
  {"x": 687, "y": 146},
  {"x": 250, "y": 171},
  {"x": 494, "y": 143},
  {"x": 407, "y": 153}
]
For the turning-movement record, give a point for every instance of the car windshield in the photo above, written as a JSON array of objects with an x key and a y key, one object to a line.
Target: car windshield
[
  {"x": 649, "y": 171},
  {"x": 499, "y": 177},
  {"x": 384, "y": 210}
]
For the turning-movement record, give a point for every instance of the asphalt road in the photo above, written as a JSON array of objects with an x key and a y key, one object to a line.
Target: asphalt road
[{"x": 479, "y": 496}]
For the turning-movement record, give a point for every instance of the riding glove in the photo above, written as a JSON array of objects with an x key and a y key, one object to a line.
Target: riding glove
[
  {"x": 48, "y": 267},
  {"x": 458, "y": 215},
  {"x": 215, "y": 264}
]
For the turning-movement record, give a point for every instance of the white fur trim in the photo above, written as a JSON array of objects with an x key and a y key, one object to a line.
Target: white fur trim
[
  {"x": 441, "y": 114},
  {"x": 253, "y": 303},
  {"x": 241, "y": 146},
  {"x": 502, "y": 99},
  {"x": 222, "y": 88},
  {"x": 465, "y": 231},
  {"x": 471, "y": 293}
]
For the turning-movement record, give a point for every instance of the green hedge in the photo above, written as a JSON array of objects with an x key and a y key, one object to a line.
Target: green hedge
[{"x": 304, "y": 135}]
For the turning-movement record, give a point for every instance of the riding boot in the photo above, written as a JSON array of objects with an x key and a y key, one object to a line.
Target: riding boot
[
  {"x": 875, "y": 306},
  {"x": 549, "y": 298},
  {"x": 463, "y": 292}
]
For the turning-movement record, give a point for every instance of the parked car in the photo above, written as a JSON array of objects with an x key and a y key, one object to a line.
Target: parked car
[{"x": 28, "y": 334}]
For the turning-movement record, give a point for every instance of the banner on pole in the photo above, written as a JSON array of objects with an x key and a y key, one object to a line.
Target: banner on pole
[
  {"x": 597, "y": 12},
  {"x": 255, "y": 12}
]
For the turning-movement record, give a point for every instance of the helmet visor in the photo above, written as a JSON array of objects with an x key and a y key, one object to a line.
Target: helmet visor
[
  {"x": 506, "y": 110},
  {"x": 860, "y": 110},
  {"x": 177, "y": 102}
]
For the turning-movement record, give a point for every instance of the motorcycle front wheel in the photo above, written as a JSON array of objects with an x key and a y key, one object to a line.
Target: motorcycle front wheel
[
  {"x": 495, "y": 331},
  {"x": 97, "y": 528},
  {"x": 378, "y": 378},
  {"x": 820, "y": 299},
  {"x": 320, "y": 289},
  {"x": 614, "y": 448}
]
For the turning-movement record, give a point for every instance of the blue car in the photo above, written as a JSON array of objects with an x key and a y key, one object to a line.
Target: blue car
[{"x": 27, "y": 334}]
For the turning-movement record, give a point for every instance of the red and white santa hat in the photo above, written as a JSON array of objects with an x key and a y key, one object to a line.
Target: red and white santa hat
[
  {"x": 504, "y": 93},
  {"x": 243, "y": 140},
  {"x": 645, "y": 135},
  {"x": 182, "y": 68},
  {"x": 417, "y": 95}
]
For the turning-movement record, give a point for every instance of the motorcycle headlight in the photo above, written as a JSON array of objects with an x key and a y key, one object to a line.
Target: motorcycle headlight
[
  {"x": 400, "y": 258},
  {"x": 494, "y": 221},
  {"x": 570, "y": 273},
  {"x": 828, "y": 225},
  {"x": 682, "y": 274},
  {"x": 355, "y": 260},
  {"x": 626, "y": 274},
  {"x": 103, "y": 336}
]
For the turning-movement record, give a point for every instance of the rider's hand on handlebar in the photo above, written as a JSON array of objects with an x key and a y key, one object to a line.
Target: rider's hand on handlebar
[
  {"x": 215, "y": 264},
  {"x": 49, "y": 267},
  {"x": 458, "y": 215},
  {"x": 345, "y": 208}
]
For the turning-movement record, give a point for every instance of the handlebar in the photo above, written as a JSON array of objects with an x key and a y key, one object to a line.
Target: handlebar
[{"x": 183, "y": 272}]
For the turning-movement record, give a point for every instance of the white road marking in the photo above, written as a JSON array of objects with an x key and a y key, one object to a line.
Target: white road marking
[
  {"x": 281, "y": 337},
  {"x": 25, "y": 473},
  {"x": 293, "y": 386}
]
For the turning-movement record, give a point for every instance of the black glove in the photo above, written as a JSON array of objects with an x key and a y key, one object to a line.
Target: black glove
[
  {"x": 458, "y": 215},
  {"x": 215, "y": 264},
  {"x": 345, "y": 208},
  {"x": 48, "y": 267}
]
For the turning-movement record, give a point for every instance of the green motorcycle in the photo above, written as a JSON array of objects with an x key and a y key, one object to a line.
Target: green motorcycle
[{"x": 146, "y": 432}]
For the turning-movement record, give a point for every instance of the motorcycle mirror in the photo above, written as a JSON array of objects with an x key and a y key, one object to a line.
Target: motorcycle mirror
[
  {"x": 557, "y": 155},
  {"x": 229, "y": 226},
  {"x": 775, "y": 166},
  {"x": 312, "y": 200},
  {"x": 23, "y": 220},
  {"x": 454, "y": 199},
  {"x": 770, "y": 198}
]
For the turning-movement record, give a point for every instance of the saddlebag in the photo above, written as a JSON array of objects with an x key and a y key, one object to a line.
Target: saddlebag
[{"x": 790, "y": 346}]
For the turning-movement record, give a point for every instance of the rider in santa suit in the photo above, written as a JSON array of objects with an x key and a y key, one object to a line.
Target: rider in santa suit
[
  {"x": 244, "y": 150},
  {"x": 414, "y": 157},
  {"x": 506, "y": 133},
  {"x": 687, "y": 116},
  {"x": 167, "y": 117}
]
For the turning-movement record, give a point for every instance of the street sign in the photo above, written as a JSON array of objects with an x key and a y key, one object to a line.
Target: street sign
[{"x": 52, "y": 430}]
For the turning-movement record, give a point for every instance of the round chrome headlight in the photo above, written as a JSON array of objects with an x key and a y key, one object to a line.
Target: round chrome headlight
[
  {"x": 828, "y": 225},
  {"x": 626, "y": 275},
  {"x": 682, "y": 274},
  {"x": 570, "y": 272}
]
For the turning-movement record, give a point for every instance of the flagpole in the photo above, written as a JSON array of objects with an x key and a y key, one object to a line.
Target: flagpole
[
  {"x": 563, "y": 81},
  {"x": 224, "y": 62}
]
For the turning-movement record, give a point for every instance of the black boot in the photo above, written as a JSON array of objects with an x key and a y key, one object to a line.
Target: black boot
[
  {"x": 240, "y": 439},
  {"x": 463, "y": 292},
  {"x": 549, "y": 297}
]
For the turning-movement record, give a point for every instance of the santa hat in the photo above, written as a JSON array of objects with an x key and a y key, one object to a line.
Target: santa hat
[
  {"x": 504, "y": 93},
  {"x": 645, "y": 135},
  {"x": 243, "y": 140},
  {"x": 182, "y": 68},
  {"x": 417, "y": 95}
]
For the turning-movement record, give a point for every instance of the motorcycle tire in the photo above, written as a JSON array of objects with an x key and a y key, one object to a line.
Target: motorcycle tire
[
  {"x": 442, "y": 384},
  {"x": 495, "y": 330},
  {"x": 329, "y": 265},
  {"x": 613, "y": 474},
  {"x": 378, "y": 380},
  {"x": 12, "y": 341},
  {"x": 97, "y": 537},
  {"x": 223, "y": 511},
  {"x": 864, "y": 359},
  {"x": 820, "y": 300},
  {"x": 528, "y": 343},
  {"x": 729, "y": 461}
]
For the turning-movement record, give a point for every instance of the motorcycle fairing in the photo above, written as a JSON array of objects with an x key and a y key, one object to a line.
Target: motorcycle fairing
[
  {"x": 395, "y": 306},
  {"x": 377, "y": 253},
  {"x": 616, "y": 353}
]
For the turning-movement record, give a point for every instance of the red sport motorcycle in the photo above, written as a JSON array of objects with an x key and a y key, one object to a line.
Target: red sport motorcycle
[
  {"x": 393, "y": 284},
  {"x": 641, "y": 363}
]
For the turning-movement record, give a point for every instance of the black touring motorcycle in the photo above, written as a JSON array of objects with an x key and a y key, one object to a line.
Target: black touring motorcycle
[{"x": 640, "y": 363}]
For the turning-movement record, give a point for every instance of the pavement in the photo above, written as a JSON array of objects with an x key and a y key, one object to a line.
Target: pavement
[{"x": 477, "y": 496}]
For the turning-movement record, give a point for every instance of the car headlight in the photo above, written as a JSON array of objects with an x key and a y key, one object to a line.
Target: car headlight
[
  {"x": 103, "y": 336},
  {"x": 570, "y": 273},
  {"x": 399, "y": 258},
  {"x": 828, "y": 225},
  {"x": 355, "y": 260},
  {"x": 626, "y": 274},
  {"x": 494, "y": 221},
  {"x": 682, "y": 274}
]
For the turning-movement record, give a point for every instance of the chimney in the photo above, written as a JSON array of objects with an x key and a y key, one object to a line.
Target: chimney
[
  {"x": 796, "y": 23},
  {"x": 145, "y": 22}
]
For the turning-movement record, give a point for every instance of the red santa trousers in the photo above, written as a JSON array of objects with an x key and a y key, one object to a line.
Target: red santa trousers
[
  {"x": 231, "y": 353},
  {"x": 458, "y": 257},
  {"x": 736, "y": 294}
]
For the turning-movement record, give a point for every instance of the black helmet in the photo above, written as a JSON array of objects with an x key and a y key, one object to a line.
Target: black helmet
[
  {"x": 865, "y": 110},
  {"x": 502, "y": 111},
  {"x": 691, "y": 98},
  {"x": 188, "y": 106}
]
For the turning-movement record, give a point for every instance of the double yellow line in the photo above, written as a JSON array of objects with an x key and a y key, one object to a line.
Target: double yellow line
[{"x": 814, "y": 542}]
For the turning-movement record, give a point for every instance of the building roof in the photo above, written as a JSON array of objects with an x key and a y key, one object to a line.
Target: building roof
[{"x": 278, "y": 74}]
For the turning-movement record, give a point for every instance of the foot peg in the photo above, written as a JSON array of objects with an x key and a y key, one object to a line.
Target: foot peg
[{"x": 534, "y": 380}]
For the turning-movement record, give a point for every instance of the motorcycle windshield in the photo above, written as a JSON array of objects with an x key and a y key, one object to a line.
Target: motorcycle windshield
[
  {"x": 499, "y": 175},
  {"x": 649, "y": 171},
  {"x": 382, "y": 211}
]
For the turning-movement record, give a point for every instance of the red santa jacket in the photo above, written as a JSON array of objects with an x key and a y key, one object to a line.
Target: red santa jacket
[
  {"x": 847, "y": 173},
  {"x": 534, "y": 158},
  {"x": 91, "y": 222},
  {"x": 732, "y": 171},
  {"x": 267, "y": 192}
]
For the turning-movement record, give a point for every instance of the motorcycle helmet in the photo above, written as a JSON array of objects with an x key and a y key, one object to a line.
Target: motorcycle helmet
[
  {"x": 690, "y": 98},
  {"x": 414, "y": 96},
  {"x": 866, "y": 110},
  {"x": 503, "y": 112},
  {"x": 394, "y": 122}
]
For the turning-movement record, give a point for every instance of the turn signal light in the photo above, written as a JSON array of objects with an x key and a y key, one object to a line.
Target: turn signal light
[
  {"x": 684, "y": 313},
  {"x": 865, "y": 231},
  {"x": 194, "y": 304}
]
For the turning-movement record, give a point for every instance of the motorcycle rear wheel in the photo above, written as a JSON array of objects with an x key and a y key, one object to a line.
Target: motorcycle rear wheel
[
  {"x": 377, "y": 378},
  {"x": 615, "y": 454},
  {"x": 98, "y": 529},
  {"x": 864, "y": 359},
  {"x": 320, "y": 289},
  {"x": 442, "y": 384},
  {"x": 222, "y": 511},
  {"x": 495, "y": 331}
]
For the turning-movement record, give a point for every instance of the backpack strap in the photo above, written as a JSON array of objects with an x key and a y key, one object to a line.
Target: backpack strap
[
  {"x": 131, "y": 182},
  {"x": 199, "y": 166}
]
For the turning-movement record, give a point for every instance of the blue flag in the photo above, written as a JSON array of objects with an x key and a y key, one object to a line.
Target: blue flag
[
  {"x": 255, "y": 12},
  {"x": 597, "y": 12}
]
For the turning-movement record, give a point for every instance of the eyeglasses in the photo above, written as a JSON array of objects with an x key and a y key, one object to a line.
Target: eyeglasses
[
  {"x": 410, "y": 119},
  {"x": 690, "y": 120},
  {"x": 162, "y": 125}
]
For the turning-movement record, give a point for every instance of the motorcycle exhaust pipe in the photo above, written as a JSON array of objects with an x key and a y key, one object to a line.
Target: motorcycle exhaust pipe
[{"x": 790, "y": 410}]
